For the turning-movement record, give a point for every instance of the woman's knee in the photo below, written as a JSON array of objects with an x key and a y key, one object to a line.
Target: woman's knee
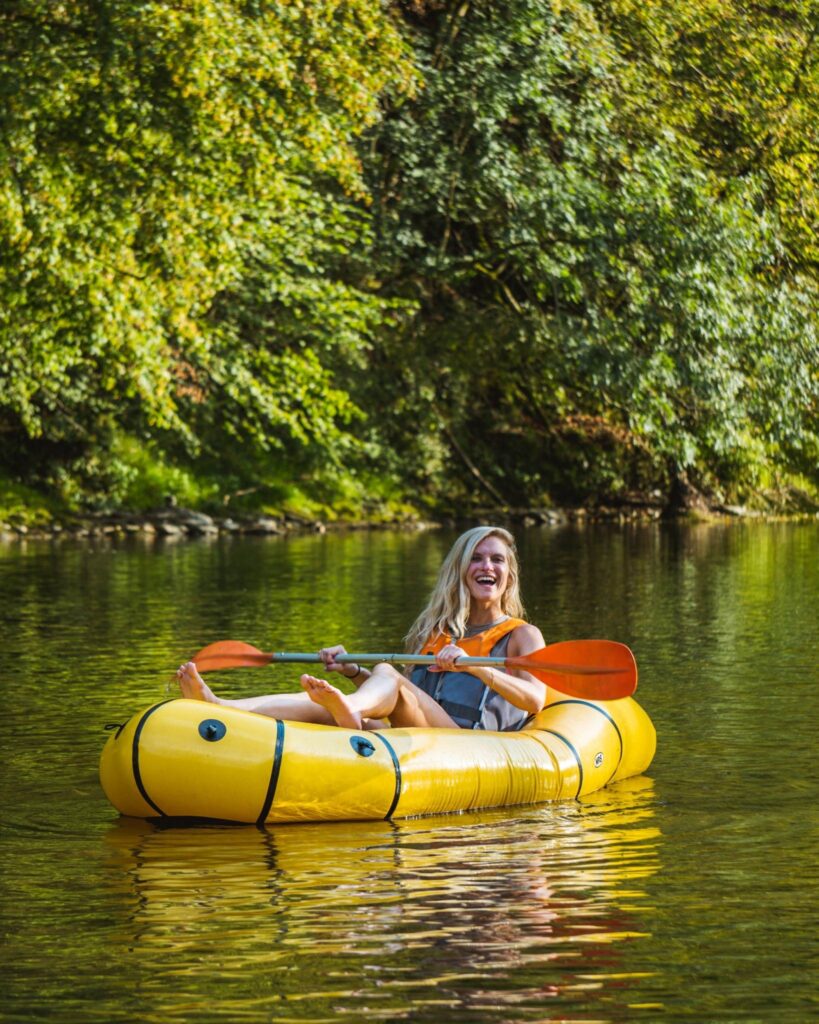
[{"x": 386, "y": 668}]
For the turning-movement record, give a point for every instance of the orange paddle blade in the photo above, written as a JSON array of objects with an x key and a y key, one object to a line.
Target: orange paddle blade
[
  {"x": 230, "y": 654},
  {"x": 588, "y": 669}
]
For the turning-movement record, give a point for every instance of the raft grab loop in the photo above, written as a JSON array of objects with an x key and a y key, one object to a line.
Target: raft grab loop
[
  {"x": 212, "y": 729},
  {"x": 362, "y": 746}
]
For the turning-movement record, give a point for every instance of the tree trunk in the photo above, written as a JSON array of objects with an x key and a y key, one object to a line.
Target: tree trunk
[{"x": 683, "y": 496}]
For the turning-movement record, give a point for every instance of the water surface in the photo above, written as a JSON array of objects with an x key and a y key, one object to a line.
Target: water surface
[{"x": 686, "y": 894}]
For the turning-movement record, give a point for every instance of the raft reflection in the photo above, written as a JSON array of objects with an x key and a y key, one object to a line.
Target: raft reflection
[{"x": 410, "y": 919}]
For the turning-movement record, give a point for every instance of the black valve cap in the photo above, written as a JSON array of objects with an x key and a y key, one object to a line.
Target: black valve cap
[
  {"x": 212, "y": 729},
  {"x": 362, "y": 746}
]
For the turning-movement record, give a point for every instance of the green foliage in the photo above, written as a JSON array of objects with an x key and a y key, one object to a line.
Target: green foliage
[
  {"x": 289, "y": 339},
  {"x": 153, "y": 156},
  {"x": 600, "y": 310},
  {"x": 517, "y": 251},
  {"x": 146, "y": 480},
  {"x": 25, "y": 506},
  {"x": 740, "y": 82}
]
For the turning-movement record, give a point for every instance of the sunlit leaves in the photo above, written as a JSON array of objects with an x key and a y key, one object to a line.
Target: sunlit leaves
[
  {"x": 574, "y": 246},
  {"x": 590, "y": 255},
  {"x": 147, "y": 148}
]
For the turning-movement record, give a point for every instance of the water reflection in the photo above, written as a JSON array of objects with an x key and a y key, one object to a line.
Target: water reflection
[
  {"x": 689, "y": 899},
  {"x": 434, "y": 914}
]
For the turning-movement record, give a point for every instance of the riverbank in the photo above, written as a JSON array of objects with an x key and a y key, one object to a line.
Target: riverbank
[{"x": 172, "y": 523}]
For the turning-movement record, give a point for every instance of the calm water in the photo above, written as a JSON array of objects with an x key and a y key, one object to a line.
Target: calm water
[{"x": 688, "y": 894}]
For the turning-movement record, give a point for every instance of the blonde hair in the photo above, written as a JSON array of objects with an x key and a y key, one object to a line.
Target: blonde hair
[{"x": 447, "y": 610}]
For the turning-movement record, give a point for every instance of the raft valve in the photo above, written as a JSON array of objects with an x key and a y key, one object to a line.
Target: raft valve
[{"x": 212, "y": 729}]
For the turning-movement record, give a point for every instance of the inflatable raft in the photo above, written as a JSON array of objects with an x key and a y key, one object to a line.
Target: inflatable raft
[{"x": 185, "y": 759}]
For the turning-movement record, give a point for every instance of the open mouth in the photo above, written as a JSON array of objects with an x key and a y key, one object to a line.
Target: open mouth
[{"x": 486, "y": 581}]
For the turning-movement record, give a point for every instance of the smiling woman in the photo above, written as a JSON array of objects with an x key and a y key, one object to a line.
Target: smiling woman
[{"x": 474, "y": 609}]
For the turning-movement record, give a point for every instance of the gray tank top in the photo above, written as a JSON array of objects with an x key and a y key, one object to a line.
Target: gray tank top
[{"x": 470, "y": 703}]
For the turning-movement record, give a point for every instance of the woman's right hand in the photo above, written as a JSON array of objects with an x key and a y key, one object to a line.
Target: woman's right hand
[
  {"x": 329, "y": 654},
  {"x": 446, "y": 659}
]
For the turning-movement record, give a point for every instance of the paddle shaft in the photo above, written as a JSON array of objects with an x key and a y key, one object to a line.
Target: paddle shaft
[
  {"x": 371, "y": 659},
  {"x": 427, "y": 659}
]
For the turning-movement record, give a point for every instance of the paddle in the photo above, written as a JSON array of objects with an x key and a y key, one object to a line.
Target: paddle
[{"x": 588, "y": 669}]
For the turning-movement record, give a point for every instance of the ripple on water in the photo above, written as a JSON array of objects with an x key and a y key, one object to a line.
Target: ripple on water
[
  {"x": 688, "y": 897},
  {"x": 434, "y": 913}
]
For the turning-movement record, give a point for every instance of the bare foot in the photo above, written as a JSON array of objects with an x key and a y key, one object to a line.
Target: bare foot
[
  {"x": 193, "y": 686},
  {"x": 336, "y": 702}
]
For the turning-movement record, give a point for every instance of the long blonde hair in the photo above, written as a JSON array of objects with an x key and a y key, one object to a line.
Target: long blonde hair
[{"x": 447, "y": 610}]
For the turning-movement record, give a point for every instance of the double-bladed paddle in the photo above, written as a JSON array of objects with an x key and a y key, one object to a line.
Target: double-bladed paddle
[{"x": 588, "y": 669}]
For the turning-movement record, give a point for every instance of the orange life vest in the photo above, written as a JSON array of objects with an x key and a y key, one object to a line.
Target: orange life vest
[
  {"x": 478, "y": 646},
  {"x": 469, "y": 702}
]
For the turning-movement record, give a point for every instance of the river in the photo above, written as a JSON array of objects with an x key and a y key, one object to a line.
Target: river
[{"x": 688, "y": 894}]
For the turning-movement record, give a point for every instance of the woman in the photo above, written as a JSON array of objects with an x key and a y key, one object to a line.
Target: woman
[{"x": 474, "y": 608}]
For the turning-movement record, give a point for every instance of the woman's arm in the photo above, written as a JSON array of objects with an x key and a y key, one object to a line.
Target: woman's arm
[{"x": 520, "y": 688}]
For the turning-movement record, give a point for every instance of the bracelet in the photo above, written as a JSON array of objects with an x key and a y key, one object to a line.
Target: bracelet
[{"x": 355, "y": 674}]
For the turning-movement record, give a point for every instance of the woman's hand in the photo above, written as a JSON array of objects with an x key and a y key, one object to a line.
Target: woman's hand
[
  {"x": 447, "y": 661},
  {"x": 348, "y": 669},
  {"x": 447, "y": 657},
  {"x": 329, "y": 654}
]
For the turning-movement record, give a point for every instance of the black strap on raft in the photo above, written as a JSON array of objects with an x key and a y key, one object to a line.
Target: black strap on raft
[
  {"x": 574, "y": 753},
  {"x": 396, "y": 764},
  {"x": 274, "y": 774},
  {"x": 606, "y": 715},
  {"x": 135, "y": 759}
]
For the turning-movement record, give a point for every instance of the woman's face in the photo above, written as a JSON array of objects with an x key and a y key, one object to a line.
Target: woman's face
[{"x": 488, "y": 572}]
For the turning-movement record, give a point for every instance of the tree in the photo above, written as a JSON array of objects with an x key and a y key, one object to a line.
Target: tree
[
  {"x": 154, "y": 157},
  {"x": 595, "y": 299}
]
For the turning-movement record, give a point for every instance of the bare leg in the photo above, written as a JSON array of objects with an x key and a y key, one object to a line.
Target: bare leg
[
  {"x": 416, "y": 709},
  {"x": 293, "y": 707},
  {"x": 333, "y": 700},
  {"x": 373, "y": 700},
  {"x": 388, "y": 693},
  {"x": 385, "y": 694}
]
